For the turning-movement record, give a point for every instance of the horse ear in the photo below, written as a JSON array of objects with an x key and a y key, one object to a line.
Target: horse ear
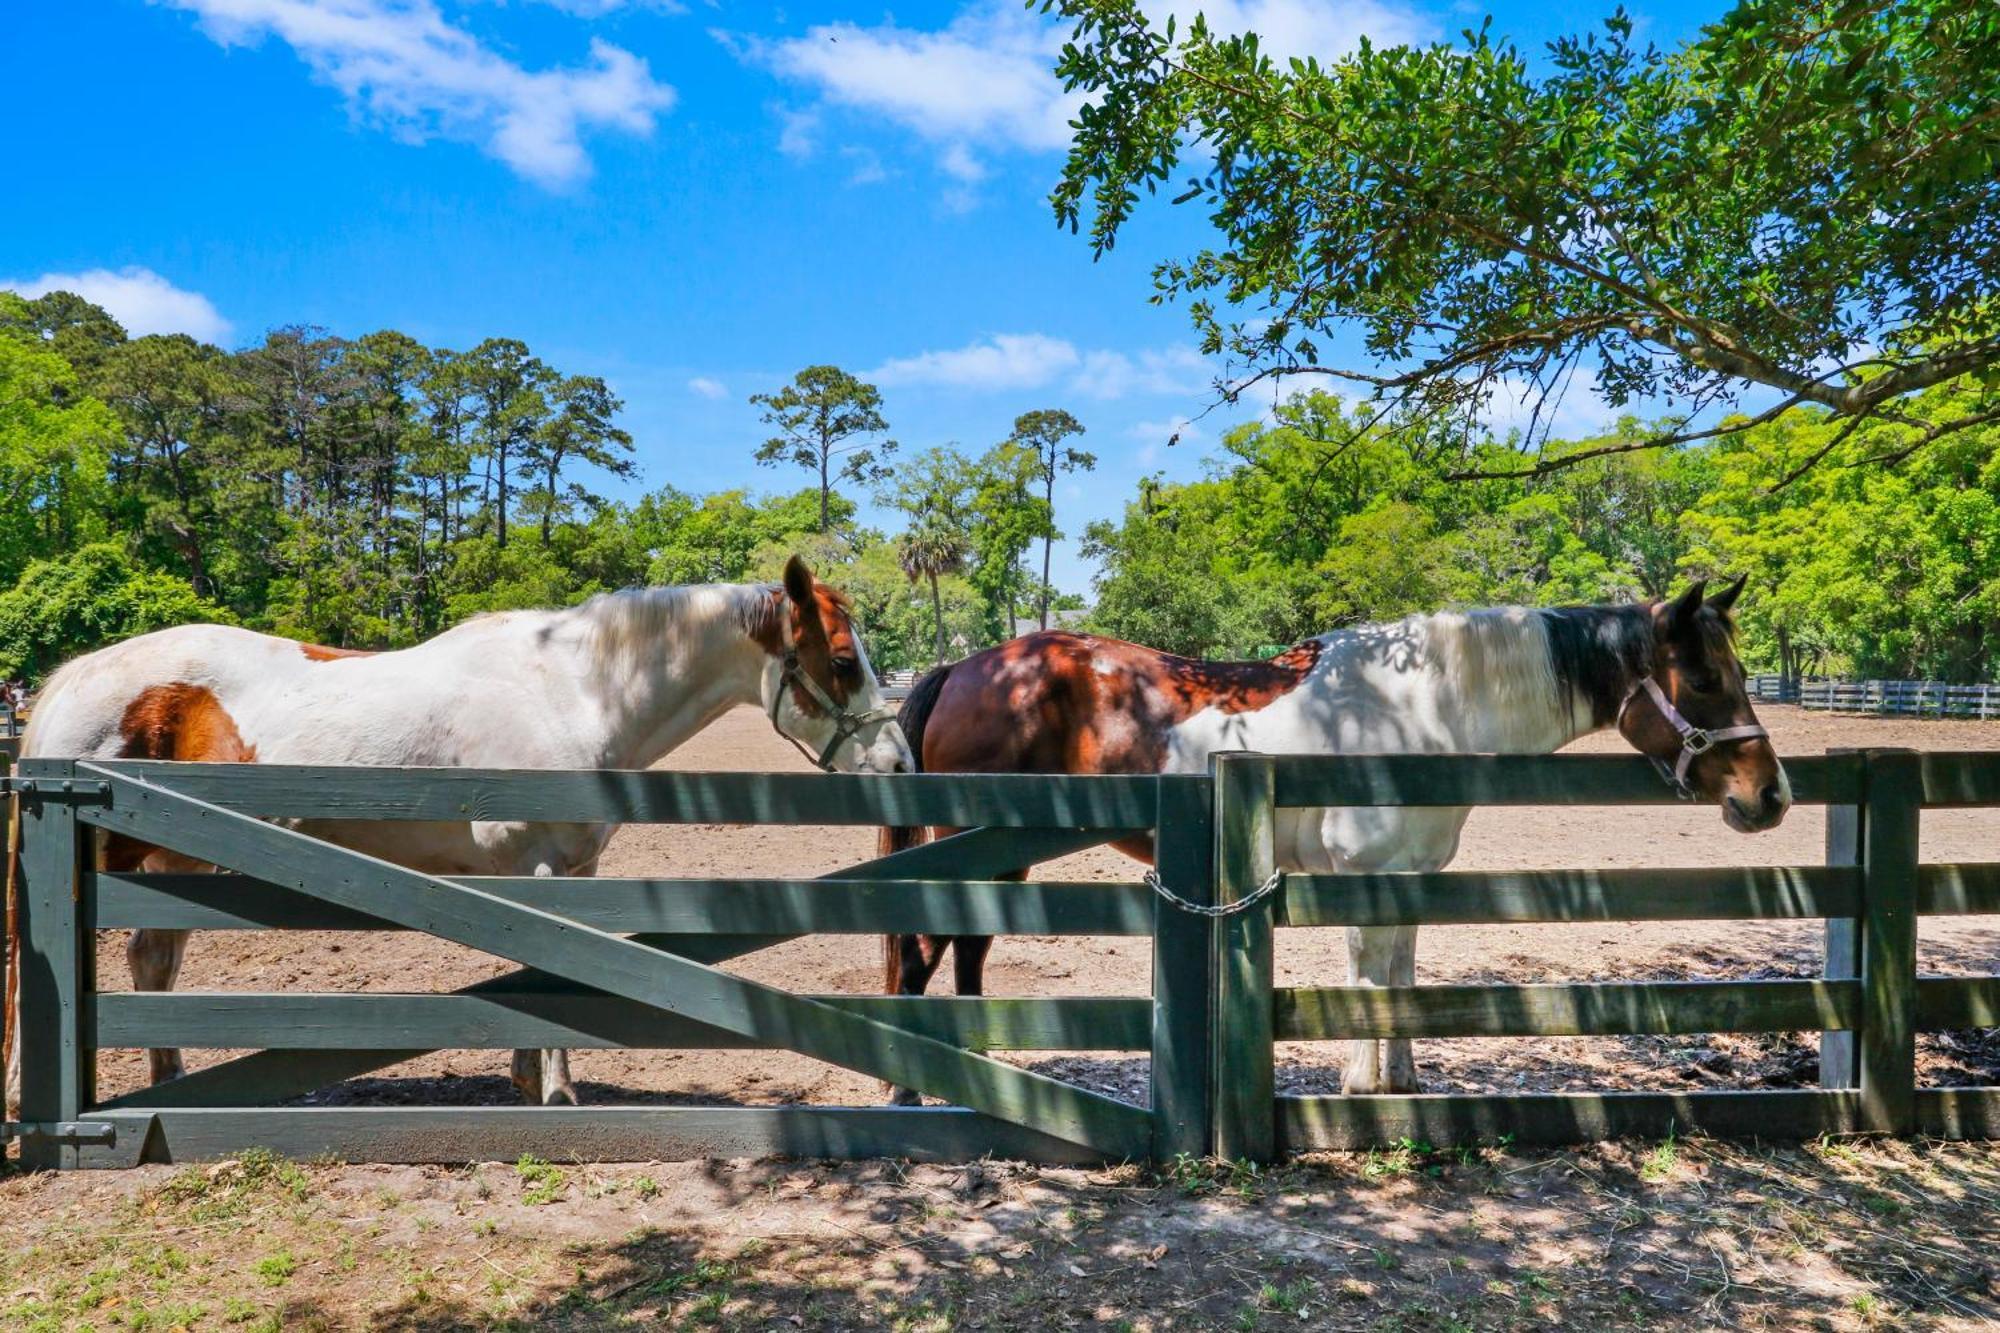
[
  {"x": 1725, "y": 601},
  {"x": 799, "y": 581},
  {"x": 1683, "y": 609}
]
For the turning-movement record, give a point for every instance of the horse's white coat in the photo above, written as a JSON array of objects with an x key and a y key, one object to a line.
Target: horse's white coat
[
  {"x": 617, "y": 682},
  {"x": 1474, "y": 682}
]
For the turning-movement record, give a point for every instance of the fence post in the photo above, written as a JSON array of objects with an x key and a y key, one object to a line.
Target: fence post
[
  {"x": 1245, "y": 855},
  {"x": 1183, "y": 972},
  {"x": 1837, "y": 1069},
  {"x": 1887, "y": 1051},
  {"x": 56, "y": 1077}
]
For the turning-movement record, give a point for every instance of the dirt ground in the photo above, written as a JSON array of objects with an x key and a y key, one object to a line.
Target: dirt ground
[{"x": 1532, "y": 837}]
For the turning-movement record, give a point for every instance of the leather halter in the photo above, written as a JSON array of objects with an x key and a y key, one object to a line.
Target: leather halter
[
  {"x": 845, "y": 723},
  {"x": 1695, "y": 741}
]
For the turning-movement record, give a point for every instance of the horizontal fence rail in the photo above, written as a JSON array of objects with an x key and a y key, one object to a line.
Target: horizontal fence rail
[
  {"x": 1896, "y": 698},
  {"x": 631, "y": 963}
]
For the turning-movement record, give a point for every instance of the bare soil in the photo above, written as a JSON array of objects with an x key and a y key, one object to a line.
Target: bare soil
[{"x": 1495, "y": 838}]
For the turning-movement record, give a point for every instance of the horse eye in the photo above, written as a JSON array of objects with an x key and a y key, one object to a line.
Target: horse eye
[{"x": 846, "y": 665}]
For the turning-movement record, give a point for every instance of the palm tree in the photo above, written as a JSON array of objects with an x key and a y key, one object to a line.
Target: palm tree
[{"x": 930, "y": 550}]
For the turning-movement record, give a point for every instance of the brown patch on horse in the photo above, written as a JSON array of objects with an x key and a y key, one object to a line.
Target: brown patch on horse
[
  {"x": 1239, "y": 687},
  {"x": 184, "y": 722},
  {"x": 181, "y": 722},
  {"x": 319, "y": 652}
]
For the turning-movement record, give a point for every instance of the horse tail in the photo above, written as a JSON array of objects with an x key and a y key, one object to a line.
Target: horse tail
[{"x": 914, "y": 717}]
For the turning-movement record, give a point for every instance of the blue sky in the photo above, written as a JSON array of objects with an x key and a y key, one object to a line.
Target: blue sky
[{"x": 691, "y": 200}]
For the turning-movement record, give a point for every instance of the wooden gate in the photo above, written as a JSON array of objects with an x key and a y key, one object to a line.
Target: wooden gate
[{"x": 583, "y": 982}]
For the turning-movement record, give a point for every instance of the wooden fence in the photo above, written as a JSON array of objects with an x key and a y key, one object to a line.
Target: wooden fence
[
  {"x": 1898, "y": 698},
  {"x": 1209, "y": 1023}
]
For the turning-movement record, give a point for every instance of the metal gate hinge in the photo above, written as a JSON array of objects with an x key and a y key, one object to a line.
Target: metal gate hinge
[
  {"x": 57, "y": 789},
  {"x": 62, "y": 1131}
]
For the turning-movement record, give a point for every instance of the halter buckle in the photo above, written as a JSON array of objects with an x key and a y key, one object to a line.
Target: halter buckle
[{"x": 1697, "y": 741}]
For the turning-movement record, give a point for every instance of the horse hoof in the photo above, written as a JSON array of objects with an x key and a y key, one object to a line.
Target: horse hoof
[
  {"x": 562, "y": 1096},
  {"x": 905, "y": 1097}
]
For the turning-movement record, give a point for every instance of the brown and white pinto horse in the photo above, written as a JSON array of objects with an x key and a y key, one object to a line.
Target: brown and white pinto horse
[
  {"x": 614, "y": 683},
  {"x": 1510, "y": 680}
]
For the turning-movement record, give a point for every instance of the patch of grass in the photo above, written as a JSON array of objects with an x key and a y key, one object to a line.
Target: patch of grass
[
  {"x": 1213, "y": 1175},
  {"x": 545, "y": 1181},
  {"x": 276, "y": 1269},
  {"x": 227, "y": 1189},
  {"x": 1660, "y": 1163},
  {"x": 646, "y": 1188}
]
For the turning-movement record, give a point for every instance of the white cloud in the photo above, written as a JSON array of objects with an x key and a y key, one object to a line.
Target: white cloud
[
  {"x": 402, "y": 64},
  {"x": 987, "y": 77},
  {"x": 959, "y": 163},
  {"x": 1004, "y": 361},
  {"x": 800, "y": 135},
  {"x": 707, "y": 388},
  {"x": 140, "y": 299},
  {"x": 1036, "y": 360},
  {"x": 1571, "y": 409},
  {"x": 597, "y": 9}
]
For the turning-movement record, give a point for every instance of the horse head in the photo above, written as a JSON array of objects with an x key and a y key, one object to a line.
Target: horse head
[
  {"x": 820, "y": 691},
  {"x": 1692, "y": 714}
]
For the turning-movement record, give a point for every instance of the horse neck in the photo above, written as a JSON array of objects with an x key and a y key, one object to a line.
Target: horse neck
[
  {"x": 665, "y": 662},
  {"x": 1528, "y": 680}
]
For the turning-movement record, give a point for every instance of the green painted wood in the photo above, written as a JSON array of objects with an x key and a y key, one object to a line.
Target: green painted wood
[
  {"x": 57, "y": 1064},
  {"x": 1183, "y": 978},
  {"x": 1962, "y": 779},
  {"x": 1958, "y": 1113},
  {"x": 675, "y": 906},
  {"x": 263, "y": 1077},
  {"x": 1350, "y": 1124},
  {"x": 1886, "y": 1051},
  {"x": 1957, "y": 1002},
  {"x": 1945, "y": 889},
  {"x": 619, "y": 966},
  {"x": 1330, "y": 1013},
  {"x": 1473, "y": 897},
  {"x": 957, "y": 800},
  {"x": 1841, "y": 947},
  {"x": 525, "y": 1020},
  {"x": 460, "y": 1134},
  {"x": 1568, "y": 779},
  {"x": 1245, "y": 855}
]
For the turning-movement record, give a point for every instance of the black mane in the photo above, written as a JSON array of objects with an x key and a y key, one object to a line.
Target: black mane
[{"x": 1598, "y": 653}]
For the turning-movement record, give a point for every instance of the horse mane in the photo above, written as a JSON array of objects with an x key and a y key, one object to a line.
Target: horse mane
[{"x": 1597, "y": 653}]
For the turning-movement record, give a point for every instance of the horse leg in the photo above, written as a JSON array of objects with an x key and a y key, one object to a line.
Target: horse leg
[
  {"x": 1381, "y": 956},
  {"x": 155, "y": 959},
  {"x": 968, "y": 963},
  {"x": 542, "y": 1077},
  {"x": 910, "y": 961}
]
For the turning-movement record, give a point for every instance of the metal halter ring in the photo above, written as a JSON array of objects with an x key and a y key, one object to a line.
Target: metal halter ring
[
  {"x": 845, "y": 723},
  {"x": 1695, "y": 741}
]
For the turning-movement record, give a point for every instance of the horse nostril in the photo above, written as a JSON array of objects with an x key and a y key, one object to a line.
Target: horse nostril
[{"x": 1773, "y": 795}]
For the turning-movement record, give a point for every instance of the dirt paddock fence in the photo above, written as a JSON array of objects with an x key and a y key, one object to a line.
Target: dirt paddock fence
[{"x": 1186, "y": 1056}]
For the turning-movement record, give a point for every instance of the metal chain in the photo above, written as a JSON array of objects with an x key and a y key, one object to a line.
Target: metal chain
[{"x": 1243, "y": 904}]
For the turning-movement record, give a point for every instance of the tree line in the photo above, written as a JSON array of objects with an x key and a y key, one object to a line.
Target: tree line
[{"x": 369, "y": 492}]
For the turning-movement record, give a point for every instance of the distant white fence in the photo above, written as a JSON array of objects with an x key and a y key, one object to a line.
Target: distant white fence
[{"x": 1896, "y": 698}]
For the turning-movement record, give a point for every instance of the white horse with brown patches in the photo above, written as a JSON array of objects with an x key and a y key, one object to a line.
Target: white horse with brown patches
[
  {"x": 615, "y": 683},
  {"x": 1508, "y": 680}
]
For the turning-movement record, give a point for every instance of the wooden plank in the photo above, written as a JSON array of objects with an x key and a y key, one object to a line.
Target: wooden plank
[
  {"x": 1961, "y": 779},
  {"x": 1120, "y": 804},
  {"x": 1948, "y": 889},
  {"x": 1958, "y": 1113},
  {"x": 1566, "y": 779},
  {"x": 527, "y": 1020},
  {"x": 57, "y": 1064},
  {"x": 1886, "y": 1052},
  {"x": 1349, "y": 1124},
  {"x": 1957, "y": 1002},
  {"x": 1472, "y": 897},
  {"x": 662, "y": 906},
  {"x": 1587, "y": 1009},
  {"x": 281, "y": 1074},
  {"x": 1183, "y": 978},
  {"x": 1841, "y": 947},
  {"x": 1245, "y": 856},
  {"x": 459, "y": 1134},
  {"x": 619, "y": 966}
]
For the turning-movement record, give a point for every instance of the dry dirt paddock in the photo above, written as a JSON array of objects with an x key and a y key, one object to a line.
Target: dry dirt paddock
[{"x": 1661, "y": 1235}]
